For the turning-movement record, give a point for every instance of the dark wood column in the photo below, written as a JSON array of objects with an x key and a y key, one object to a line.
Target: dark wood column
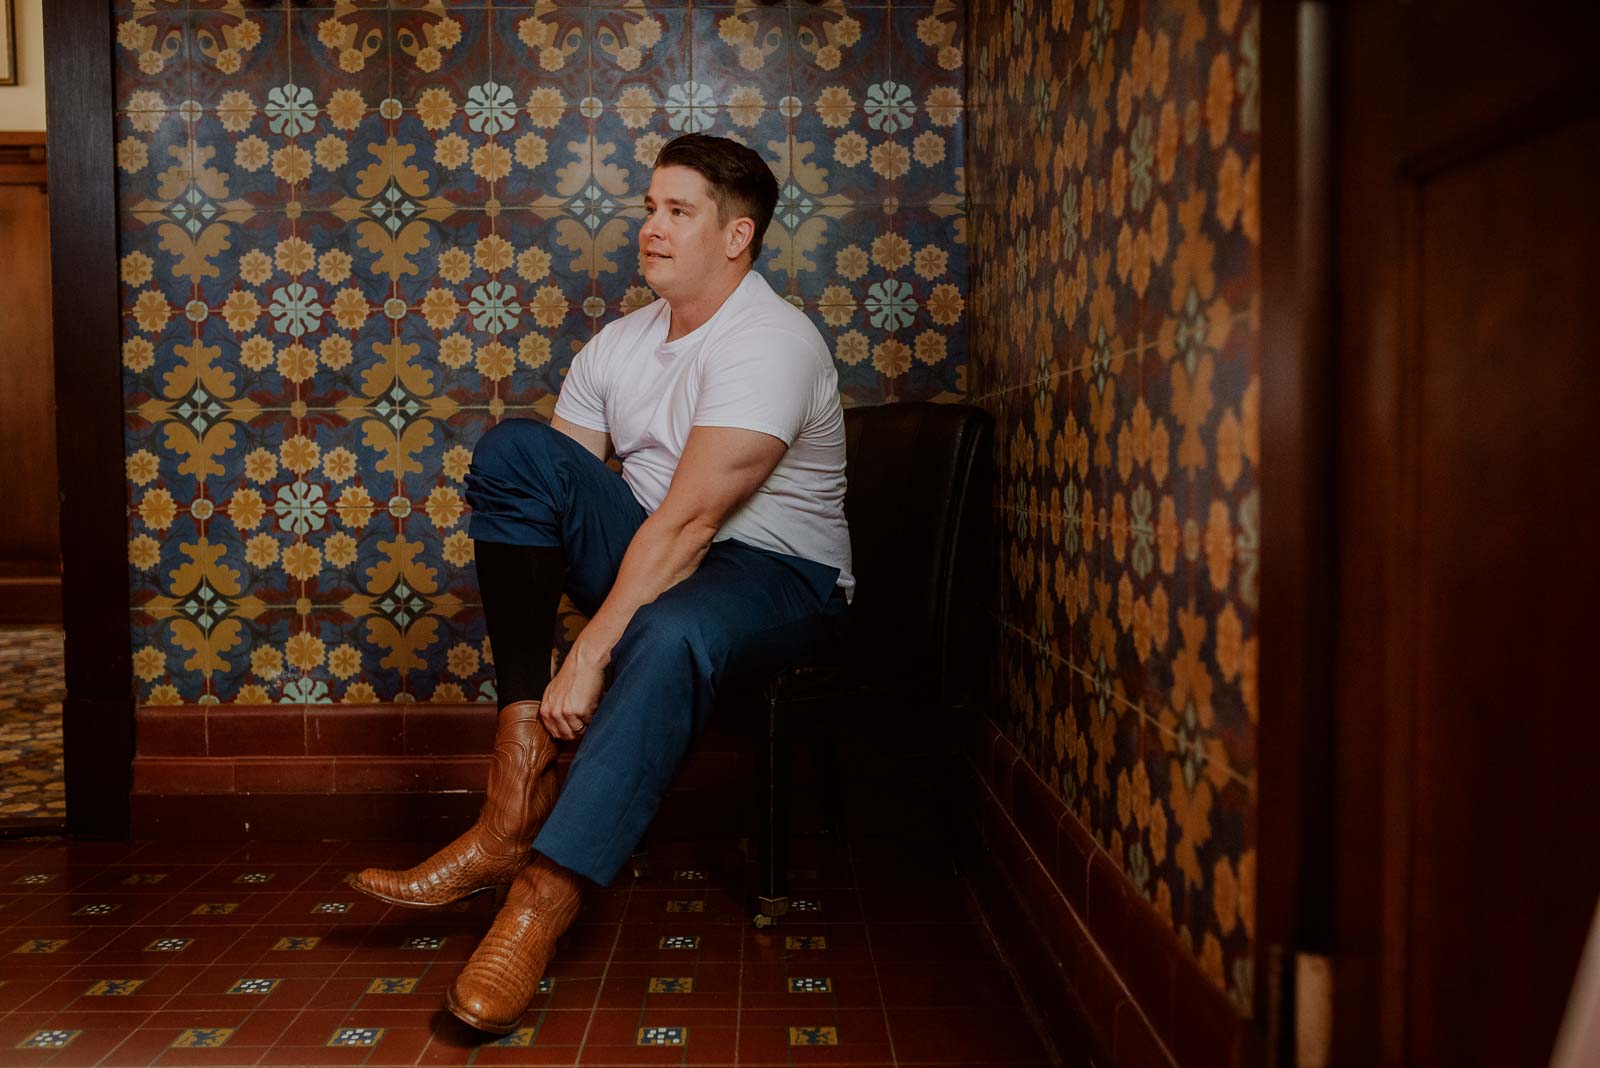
[{"x": 97, "y": 721}]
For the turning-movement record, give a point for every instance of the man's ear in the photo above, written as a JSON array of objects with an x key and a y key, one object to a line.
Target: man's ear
[{"x": 740, "y": 234}]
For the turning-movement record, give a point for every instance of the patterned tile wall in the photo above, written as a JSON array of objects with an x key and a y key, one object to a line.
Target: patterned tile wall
[
  {"x": 355, "y": 234},
  {"x": 1114, "y": 334}
]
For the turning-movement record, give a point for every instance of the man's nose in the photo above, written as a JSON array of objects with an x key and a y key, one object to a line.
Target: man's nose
[{"x": 648, "y": 230}]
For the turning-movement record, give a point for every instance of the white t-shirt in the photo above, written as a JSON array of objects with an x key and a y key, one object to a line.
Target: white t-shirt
[{"x": 757, "y": 364}]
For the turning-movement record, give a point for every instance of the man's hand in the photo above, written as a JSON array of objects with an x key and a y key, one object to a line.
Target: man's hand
[
  {"x": 720, "y": 468},
  {"x": 571, "y": 698}
]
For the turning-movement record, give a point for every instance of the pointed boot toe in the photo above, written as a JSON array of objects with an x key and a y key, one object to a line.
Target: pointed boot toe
[
  {"x": 499, "y": 844},
  {"x": 475, "y": 1010},
  {"x": 499, "y": 981}
]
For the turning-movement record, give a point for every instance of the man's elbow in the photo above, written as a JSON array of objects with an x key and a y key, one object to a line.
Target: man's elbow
[{"x": 700, "y": 531}]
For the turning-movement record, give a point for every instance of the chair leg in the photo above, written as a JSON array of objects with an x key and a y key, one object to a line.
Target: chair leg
[{"x": 773, "y": 786}]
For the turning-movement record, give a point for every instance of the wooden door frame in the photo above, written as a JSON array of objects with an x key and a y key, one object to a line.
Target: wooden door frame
[
  {"x": 97, "y": 714},
  {"x": 1295, "y": 822}
]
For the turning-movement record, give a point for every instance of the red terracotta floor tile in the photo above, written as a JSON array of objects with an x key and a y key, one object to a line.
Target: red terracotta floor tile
[
  {"x": 931, "y": 1036},
  {"x": 559, "y": 1027},
  {"x": 906, "y": 940}
]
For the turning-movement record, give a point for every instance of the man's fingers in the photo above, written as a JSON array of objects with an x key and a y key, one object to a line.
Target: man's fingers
[{"x": 555, "y": 723}]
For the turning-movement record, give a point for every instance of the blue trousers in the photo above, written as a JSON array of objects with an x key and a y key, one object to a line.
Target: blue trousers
[{"x": 742, "y": 617}]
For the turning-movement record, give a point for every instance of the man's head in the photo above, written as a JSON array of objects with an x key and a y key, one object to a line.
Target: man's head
[{"x": 708, "y": 207}]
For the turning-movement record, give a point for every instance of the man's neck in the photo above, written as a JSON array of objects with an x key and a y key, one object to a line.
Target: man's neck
[{"x": 690, "y": 314}]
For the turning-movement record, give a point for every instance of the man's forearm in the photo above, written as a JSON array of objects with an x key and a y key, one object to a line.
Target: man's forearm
[{"x": 661, "y": 554}]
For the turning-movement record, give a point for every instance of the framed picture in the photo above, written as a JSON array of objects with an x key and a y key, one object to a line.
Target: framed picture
[{"x": 8, "y": 44}]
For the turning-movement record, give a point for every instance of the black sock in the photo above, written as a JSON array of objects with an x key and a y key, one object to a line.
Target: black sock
[{"x": 521, "y": 588}]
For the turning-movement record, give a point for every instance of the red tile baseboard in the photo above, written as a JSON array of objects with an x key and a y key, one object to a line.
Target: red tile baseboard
[
  {"x": 306, "y": 773},
  {"x": 302, "y": 817},
  {"x": 1078, "y": 934}
]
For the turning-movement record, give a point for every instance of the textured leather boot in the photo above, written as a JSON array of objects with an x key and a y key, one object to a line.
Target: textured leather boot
[
  {"x": 494, "y": 989},
  {"x": 522, "y": 790}
]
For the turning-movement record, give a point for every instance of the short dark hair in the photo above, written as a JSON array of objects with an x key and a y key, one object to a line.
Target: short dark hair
[{"x": 742, "y": 185}]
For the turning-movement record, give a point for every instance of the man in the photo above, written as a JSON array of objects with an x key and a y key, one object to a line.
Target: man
[{"x": 719, "y": 556}]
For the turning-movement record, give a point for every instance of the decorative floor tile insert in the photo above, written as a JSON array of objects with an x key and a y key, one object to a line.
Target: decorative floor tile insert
[
  {"x": 679, "y": 942},
  {"x": 215, "y": 908},
  {"x": 665, "y": 985},
  {"x": 254, "y": 878},
  {"x": 169, "y": 945},
  {"x": 689, "y": 876},
  {"x": 686, "y": 906},
  {"x": 37, "y": 879},
  {"x": 422, "y": 942},
  {"x": 41, "y": 945},
  {"x": 801, "y": 904},
  {"x": 203, "y": 1038},
  {"x": 356, "y": 1036},
  {"x": 254, "y": 986},
  {"x": 546, "y": 985},
  {"x": 112, "y": 988},
  {"x": 297, "y": 942},
  {"x": 48, "y": 1039},
  {"x": 99, "y": 909},
  {"x": 522, "y": 1036},
  {"x": 823, "y": 985},
  {"x": 332, "y": 906},
  {"x": 145, "y": 878},
  {"x": 663, "y": 1036},
  {"x": 805, "y": 942},
  {"x": 813, "y": 1036},
  {"x": 392, "y": 985}
]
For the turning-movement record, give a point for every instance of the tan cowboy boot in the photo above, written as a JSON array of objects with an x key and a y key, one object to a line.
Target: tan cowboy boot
[
  {"x": 494, "y": 989},
  {"x": 522, "y": 790}
]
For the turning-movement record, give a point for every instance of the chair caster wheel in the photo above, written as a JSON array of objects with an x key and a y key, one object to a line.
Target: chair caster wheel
[{"x": 763, "y": 921}]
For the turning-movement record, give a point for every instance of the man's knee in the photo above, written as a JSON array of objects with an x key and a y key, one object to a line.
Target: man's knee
[
  {"x": 664, "y": 624},
  {"x": 512, "y": 445}
]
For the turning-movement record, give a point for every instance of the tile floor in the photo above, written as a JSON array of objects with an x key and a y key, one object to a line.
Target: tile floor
[
  {"x": 31, "y": 687},
  {"x": 163, "y": 953}
]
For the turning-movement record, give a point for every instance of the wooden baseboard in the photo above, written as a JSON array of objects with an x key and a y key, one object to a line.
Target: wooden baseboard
[
  {"x": 30, "y": 600},
  {"x": 1081, "y": 939}
]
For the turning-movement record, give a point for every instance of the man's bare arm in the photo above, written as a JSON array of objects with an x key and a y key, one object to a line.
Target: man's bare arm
[
  {"x": 720, "y": 468},
  {"x": 596, "y": 441}
]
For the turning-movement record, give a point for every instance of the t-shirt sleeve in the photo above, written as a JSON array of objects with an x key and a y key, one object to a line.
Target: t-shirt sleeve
[
  {"x": 582, "y": 399},
  {"x": 763, "y": 381}
]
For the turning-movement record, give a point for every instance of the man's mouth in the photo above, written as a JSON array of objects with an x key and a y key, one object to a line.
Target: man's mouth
[{"x": 656, "y": 256}]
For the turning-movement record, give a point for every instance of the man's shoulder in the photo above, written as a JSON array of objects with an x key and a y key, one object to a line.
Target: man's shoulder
[{"x": 762, "y": 312}]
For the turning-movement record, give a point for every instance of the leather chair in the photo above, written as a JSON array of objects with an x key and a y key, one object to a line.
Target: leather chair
[{"x": 918, "y": 506}]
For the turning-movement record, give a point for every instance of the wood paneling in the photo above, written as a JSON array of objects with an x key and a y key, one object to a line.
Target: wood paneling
[
  {"x": 1503, "y": 865},
  {"x": 30, "y": 553},
  {"x": 1470, "y": 509}
]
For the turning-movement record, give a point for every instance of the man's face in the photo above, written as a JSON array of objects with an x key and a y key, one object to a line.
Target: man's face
[{"x": 682, "y": 243}]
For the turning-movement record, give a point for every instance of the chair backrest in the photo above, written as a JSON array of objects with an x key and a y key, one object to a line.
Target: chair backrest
[{"x": 918, "y": 508}]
